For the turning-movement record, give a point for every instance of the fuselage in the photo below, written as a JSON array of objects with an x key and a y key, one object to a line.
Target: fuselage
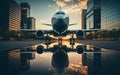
[{"x": 60, "y": 22}]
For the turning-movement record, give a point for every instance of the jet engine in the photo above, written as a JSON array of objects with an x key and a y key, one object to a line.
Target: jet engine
[
  {"x": 40, "y": 34},
  {"x": 79, "y": 49},
  {"x": 80, "y": 34},
  {"x": 55, "y": 48},
  {"x": 40, "y": 49}
]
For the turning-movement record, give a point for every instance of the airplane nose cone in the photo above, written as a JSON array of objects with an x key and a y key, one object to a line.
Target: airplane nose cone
[
  {"x": 60, "y": 19},
  {"x": 60, "y": 26}
]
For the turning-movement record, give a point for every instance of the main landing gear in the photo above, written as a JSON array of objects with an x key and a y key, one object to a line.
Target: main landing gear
[
  {"x": 60, "y": 41},
  {"x": 72, "y": 40},
  {"x": 47, "y": 39}
]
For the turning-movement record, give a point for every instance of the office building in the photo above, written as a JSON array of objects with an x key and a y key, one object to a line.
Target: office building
[
  {"x": 4, "y": 15},
  {"x": 93, "y": 18},
  {"x": 83, "y": 22},
  {"x": 31, "y": 22},
  {"x": 9, "y": 15},
  {"x": 110, "y": 14},
  {"x": 14, "y": 15},
  {"x": 14, "y": 62},
  {"x": 25, "y": 13},
  {"x": 92, "y": 60}
]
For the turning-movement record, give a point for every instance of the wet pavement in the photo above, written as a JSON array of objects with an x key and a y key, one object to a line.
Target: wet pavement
[{"x": 63, "y": 58}]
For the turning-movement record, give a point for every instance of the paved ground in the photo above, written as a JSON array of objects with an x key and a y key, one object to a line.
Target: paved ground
[
  {"x": 9, "y": 45},
  {"x": 114, "y": 45}
]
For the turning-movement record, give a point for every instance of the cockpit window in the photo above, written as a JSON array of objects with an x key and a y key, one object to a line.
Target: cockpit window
[{"x": 60, "y": 13}]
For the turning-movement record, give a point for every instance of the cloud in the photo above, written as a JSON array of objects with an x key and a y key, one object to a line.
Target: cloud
[
  {"x": 68, "y": 0},
  {"x": 72, "y": 6},
  {"x": 60, "y": 3}
]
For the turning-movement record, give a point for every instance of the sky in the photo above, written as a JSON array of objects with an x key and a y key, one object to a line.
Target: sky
[{"x": 43, "y": 10}]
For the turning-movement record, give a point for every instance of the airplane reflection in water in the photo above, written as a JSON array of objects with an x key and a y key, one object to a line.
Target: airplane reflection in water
[
  {"x": 60, "y": 59},
  {"x": 21, "y": 60}
]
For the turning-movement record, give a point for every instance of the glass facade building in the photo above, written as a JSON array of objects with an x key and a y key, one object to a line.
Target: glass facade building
[
  {"x": 4, "y": 15},
  {"x": 31, "y": 21},
  {"x": 9, "y": 15},
  {"x": 25, "y": 13},
  {"x": 93, "y": 17},
  {"x": 110, "y": 14},
  {"x": 84, "y": 13},
  {"x": 14, "y": 15}
]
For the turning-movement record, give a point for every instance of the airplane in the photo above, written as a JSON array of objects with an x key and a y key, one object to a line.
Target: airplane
[
  {"x": 60, "y": 24},
  {"x": 60, "y": 59}
]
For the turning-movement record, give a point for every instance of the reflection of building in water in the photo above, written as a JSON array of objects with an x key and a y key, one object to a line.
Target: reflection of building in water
[
  {"x": 14, "y": 62},
  {"x": 9, "y": 15},
  {"x": 93, "y": 61},
  {"x": 4, "y": 61},
  {"x": 25, "y": 63},
  {"x": 11, "y": 62},
  {"x": 25, "y": 58}
]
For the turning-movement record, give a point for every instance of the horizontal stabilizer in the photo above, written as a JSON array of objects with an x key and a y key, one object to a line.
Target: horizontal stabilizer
[
  {"x": 46, "y": 24},
  {"x": 72, "y": 24}
]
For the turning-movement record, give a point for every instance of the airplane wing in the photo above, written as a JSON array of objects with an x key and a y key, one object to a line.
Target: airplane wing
[
  {"x": 26, "y": 30},
  {"x": 81, "y": 33},
  {"x": 31, "y": 30},
  {"x": 39, "y": 33},
  {"x": 87, "y": 30}
]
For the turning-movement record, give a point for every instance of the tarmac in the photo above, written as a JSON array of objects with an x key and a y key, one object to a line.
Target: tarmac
[
  {"x": 113, "y": 45},
  {"x": 11, "y": 45}
]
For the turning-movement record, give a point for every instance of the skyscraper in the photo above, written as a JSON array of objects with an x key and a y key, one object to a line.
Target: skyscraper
[
  {"x": 110, "y": 14},
  {"x": 84, "y": 13},
  {"x": 4, "y": 15},
  {"x": 93, "y": 14},
  {"x": 92, "y": 60},
  {"x": 14, "y": 15},
  {"x": 9, "y": 15},
  {"x": 31, "y": 22},
  {"x": 25, "y": 13}
]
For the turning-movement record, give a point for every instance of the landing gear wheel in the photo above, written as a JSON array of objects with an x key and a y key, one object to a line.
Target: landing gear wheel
[
  {"x": 47, "y": 40},
  {"x": 72, "y": 41}
]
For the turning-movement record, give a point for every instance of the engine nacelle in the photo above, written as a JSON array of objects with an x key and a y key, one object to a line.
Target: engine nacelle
[
  {"x": 80, "y": 49},
  {"x": 40, "y": 34},
  {"x": 40, "y": 49},
  {"x": 80, "y": 34},
  {"x": 55, "y": 48}
]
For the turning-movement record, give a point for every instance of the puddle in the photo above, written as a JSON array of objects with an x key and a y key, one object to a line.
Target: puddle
[{"x": 60, "y": 59}]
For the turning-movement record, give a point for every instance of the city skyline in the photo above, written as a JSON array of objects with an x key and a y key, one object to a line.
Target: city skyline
[
  {"x": 78, "y": 37},
  {"x": 43, "y": 10}
]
